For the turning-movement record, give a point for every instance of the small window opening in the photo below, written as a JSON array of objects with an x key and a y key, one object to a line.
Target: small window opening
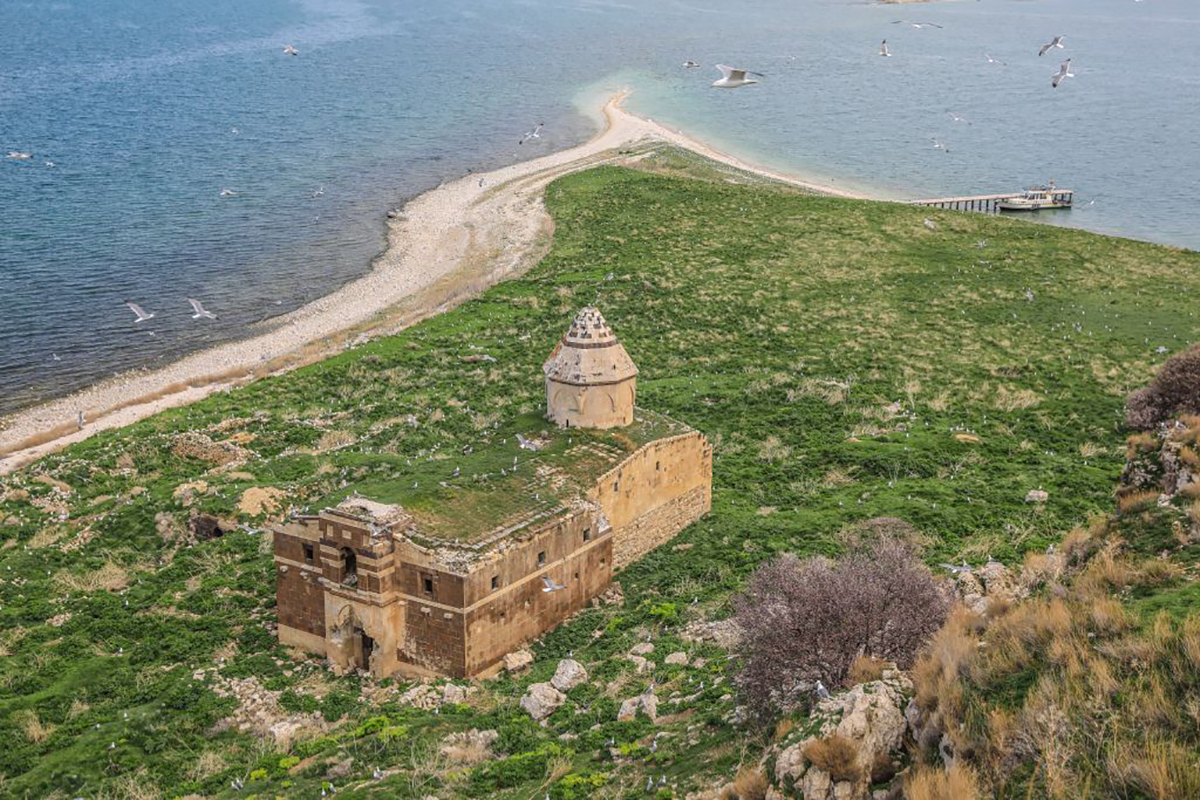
[
  {"x": 603, "y": 561},
  {"x": 657, "y": 466},
  {"x": 541, "y": 558},
  {"x": 495, "y": 581},
  {"x": 587, "y": 534},
  {"x": 576, "y": 576},
  {"x": 349, "y": 567},
  {"x": 616, "y": 485},
  {"x": 503, "y": 615},
  {"x": 428, "y": 585},
  {"x": 308, "y": 554}
]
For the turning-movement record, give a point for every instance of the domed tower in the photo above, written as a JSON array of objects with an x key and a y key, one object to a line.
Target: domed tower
[{"x": 591, "y": 382}]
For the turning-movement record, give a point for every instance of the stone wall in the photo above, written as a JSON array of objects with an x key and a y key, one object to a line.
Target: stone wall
[
  {"x": 659, "y": 525},
  {"x": 655, "y": 493}
]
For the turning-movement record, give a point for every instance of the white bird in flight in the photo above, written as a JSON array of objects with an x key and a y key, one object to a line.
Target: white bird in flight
[
  {"x": 142, "y": 316},
  {"x": 917, "y": 25},
  {"x": 228, "y": 193},
  {"x": 957, "y": 118},
  {"x": 691, "y": 64},
  {"x": 991, "y": 60},
  {"x": 201, "y": 311},
  {"x": 1064, "y": 72},
  {"x": 536, "y": 133},
  {"x": 1057, "y": 41},
  {"x": 289, "y": 50},
  {"x": 734, "y": 78},
  {"x": 16, "y": 155},
  {"x": 883, "y": 49},
  {"x": 550, "y": 586},
  {"x": 938, "y": 144}
]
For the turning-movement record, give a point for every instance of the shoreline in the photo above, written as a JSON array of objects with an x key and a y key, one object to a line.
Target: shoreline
[{"x": 444, "y": 246}]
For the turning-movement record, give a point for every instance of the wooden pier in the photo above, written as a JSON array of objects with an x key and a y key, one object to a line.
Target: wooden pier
[{"x": 987, "y": 203}]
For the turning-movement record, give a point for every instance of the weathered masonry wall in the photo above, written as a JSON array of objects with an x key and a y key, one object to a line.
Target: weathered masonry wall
[
  {"x": 300, "y": 598},
  {"x": 655, "y": 493},
  {"x": 577, "y": 555}
]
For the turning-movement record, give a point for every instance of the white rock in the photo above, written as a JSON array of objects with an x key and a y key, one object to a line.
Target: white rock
[
  {"x": 570, "y": 673},
  {"x": 679, "y": 658},
  {"x": 453, "y": 694},
  {"x": 642, "y": 649},
  {"x": 541, "y": 699},
  {"x": 518, "y": 660},
  {"x": 645, "y": 702},
  {"x": 1037, "y": 496},
  {"x": 641, "y": 664}
]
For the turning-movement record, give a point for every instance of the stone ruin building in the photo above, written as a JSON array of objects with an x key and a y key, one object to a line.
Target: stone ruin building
[{"x": 446, "y": 576}]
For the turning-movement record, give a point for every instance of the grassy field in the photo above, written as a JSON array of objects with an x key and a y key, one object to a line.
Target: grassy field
[{"x": 847, "y": 359}]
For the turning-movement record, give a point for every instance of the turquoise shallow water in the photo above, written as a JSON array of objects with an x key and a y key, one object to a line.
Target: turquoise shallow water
[{"x": 149, "y": 109}]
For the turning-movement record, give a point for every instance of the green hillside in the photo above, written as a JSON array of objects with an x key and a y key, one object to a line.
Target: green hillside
[{"x": 847, "y": 359}]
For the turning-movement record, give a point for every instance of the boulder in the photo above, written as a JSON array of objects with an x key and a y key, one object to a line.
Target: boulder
[
  {"x": 541, "y": 699},
  {"x": 518, "y": 660},
  {"x": 642, "y": 649},
  {"x": 452, "y": 693},
  {"x": 641, "y": 664},
  {"x": 570, "y": 673},
  {"x": 791, "y": 763},
  {"x": 1037, "y": 496},
  {"x": 724, "y": 633},
  {"x": 871, "y": 715},
  {"x": 678, "y": 658}
]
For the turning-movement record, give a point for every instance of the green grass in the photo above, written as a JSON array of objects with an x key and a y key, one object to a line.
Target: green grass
[{"x": 830, "y": 349}]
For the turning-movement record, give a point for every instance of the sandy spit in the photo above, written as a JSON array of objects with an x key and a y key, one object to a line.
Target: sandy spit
[{"x": 446, "y": 246}]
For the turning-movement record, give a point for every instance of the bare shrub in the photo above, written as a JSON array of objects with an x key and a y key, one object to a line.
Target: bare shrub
[
  {"x": 1174, "y": 390},
  {"x": 836, "y": 755},
  {"x": 862, "y": 534},
  {"x": 804, "y": 621}
]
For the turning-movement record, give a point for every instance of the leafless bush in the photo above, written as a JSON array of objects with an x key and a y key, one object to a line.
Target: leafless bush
[
  {"x": 1174, "y": 390},
  {"x": 804, "y": 621}
]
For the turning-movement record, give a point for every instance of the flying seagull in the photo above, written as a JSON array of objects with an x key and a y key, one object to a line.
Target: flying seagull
[
  {"x": 957, "y": 118},
  {"x": 228, "y": 193},
  {"x": 16, "y": 155},
  {"x": 991, "y": 60},
  {"x": 200, "y": 311},
  {"x": 938, "y": 144},
  {"x": 536, "y": 133},
  {"x": 142, "y": 316},
  {"x": 1057, "y": 41},
  {"x": 691, "y": 64},
  {"x": 550, "y": 586},
  {"x": 1064, "y": 72},
  {"x": 917, "y": 25},
  {"x": 734, "y": 78},
  {"x": 289, "y": 50},
  {"x": 883, "y": 49}
]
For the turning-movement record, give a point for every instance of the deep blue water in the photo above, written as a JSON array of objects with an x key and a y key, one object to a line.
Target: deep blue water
[{"x": 149, "y": 108}]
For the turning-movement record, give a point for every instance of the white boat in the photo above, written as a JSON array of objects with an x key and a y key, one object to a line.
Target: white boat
[{"x": 1037, "y": 198}]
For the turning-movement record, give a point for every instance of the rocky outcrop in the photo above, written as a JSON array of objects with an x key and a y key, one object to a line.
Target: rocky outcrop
[
  {"x": 199, "y": 446},
  {"x": 723, "y": 633},
  {"x": 870, "y": 720},
  {"x": 979, "y": 589}
]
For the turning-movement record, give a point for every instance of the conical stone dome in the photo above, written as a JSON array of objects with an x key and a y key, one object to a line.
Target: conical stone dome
[{"x": 591, "y": 382}]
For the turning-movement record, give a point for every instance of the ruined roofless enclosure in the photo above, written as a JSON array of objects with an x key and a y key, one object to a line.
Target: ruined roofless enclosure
[{"x": 449, "y": 580}]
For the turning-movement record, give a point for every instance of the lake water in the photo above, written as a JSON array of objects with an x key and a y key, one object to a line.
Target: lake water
[{"x": 149, "y": 109}]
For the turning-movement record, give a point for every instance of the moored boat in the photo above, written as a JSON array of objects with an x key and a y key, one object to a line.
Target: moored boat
[{"x": 1037, "y": 198}]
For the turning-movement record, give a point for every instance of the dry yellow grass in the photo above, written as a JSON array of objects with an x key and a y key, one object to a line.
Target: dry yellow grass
[
  {"x": 836, "y": 755},
  {"x": 750, "y": 784},
  {"x": 1136, "y": 501},
  {"x": 865, "y": 669},
  {"x": 110, "y": 577},
  {"x": 32, "y": 726},
  {"x": 934, "y": 783}
]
